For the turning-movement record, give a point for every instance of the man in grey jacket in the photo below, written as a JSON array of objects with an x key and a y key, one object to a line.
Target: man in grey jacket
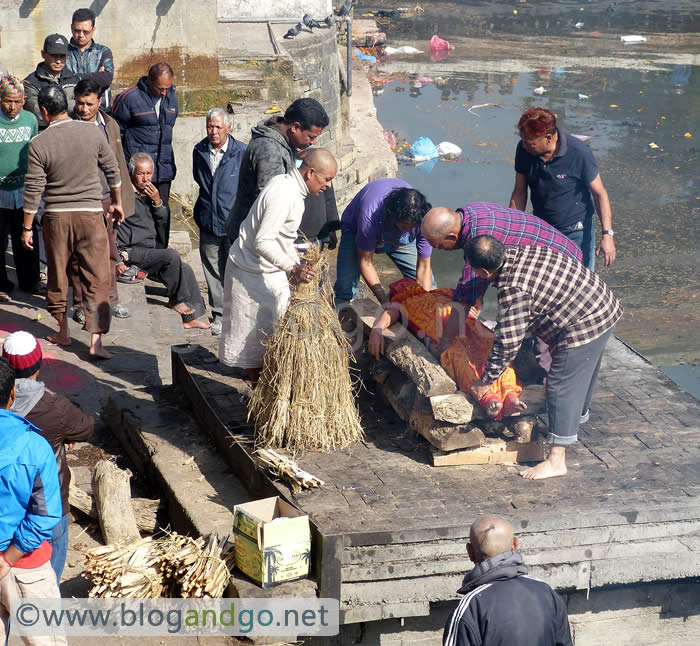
[{"x": 272, "y": 151}]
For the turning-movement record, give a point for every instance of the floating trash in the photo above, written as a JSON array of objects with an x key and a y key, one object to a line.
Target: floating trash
[
  {"x": 652, "y": 145},
  {"x": 405, "y": 49},
  {"x": 583, "y": 96},
  {"x": 423, "y": 149},
  {"x": 437, "y": 43},
  {"x": 539, "y": 90},
  {"x": 578, "y": 25},
  {"x": 633, "y": 39},
  {"x": 449, "y": 150}
]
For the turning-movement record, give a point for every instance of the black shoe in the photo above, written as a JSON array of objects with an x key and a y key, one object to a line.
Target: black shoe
[{"x": 79, "y": 316}]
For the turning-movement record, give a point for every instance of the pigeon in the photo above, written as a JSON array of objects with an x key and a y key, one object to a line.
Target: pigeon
[
  {"x": 345, "y": 9},
  {"x": 329, "y": 21},
  {"x": 612, "y": 7},
  {"x": 294, "y": 31},
  {"x": 310, "y": 22}
]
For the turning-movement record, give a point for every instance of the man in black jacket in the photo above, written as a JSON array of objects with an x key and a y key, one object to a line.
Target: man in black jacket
[
  {"x": 136, "y": 242},
  {"x": 501, "y": 604},
  {"x": 146, "y": 115},
  {"x": 51, "y": 71}
]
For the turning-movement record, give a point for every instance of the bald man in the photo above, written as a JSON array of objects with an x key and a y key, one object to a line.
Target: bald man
[
  {"x": 501, "y": 604},
  {"x": 262, "y": 262}
]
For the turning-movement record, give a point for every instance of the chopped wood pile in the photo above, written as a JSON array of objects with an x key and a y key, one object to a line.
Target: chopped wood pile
[
  {"x": 173, "y": 566},
  {"x": 288, "y": 470}
]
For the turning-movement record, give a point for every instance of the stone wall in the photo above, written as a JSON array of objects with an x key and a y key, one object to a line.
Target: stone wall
[
  {"x": 275, "y": 8},
  {"x": 139, "y": 32}
]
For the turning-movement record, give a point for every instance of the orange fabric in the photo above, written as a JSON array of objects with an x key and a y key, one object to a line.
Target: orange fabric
[{"x": 466, "y": 357}]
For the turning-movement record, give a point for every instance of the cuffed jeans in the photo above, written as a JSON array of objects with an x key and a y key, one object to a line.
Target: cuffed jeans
[
  {"x": 570, "y": 384},
  {"x": 348, "y": 266},
  {"x": 213, "y": 251}
]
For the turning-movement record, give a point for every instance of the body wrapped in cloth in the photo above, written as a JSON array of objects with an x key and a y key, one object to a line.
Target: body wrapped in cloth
[{"x": 464, "y": 360}]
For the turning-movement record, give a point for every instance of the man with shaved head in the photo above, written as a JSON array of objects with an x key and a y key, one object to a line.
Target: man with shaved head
[
  {"x": 263, "y": 261},
  {"x": 501, "y": 603}
]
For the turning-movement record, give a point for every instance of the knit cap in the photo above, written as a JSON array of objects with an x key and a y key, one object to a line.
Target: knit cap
[{"x": 23, "y": 352}]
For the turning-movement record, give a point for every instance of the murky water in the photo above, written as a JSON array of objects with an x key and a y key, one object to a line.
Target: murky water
[{"x": 633, "y": 96}]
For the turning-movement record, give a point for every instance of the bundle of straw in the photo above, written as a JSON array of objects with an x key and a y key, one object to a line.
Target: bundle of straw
[
  {"x": 288, "y": 470},
  {"x": 304, "y": 399}
]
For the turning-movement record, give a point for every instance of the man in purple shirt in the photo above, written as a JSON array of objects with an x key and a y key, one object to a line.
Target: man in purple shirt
[
  {"x": 384, "y": 217},
  {"x": 446, "y": 229}
]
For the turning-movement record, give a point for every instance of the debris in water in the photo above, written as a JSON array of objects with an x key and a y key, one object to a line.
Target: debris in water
[
  {"x": 633, "y": 39},
  {"x": 437, "y": 43},
  {"x": 406, "y": 49},
  {"x": 539, "y": 90},
  {"x": 652, "y": 145},
  {"x": 583, "y": 96},
  {"x": 578, "y": 25},
  {"x": 687, "y": 135},
  {"x": 483, "y": 105}
]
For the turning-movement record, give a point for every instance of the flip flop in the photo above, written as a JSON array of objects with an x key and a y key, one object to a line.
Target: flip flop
[{"x": 132, "y": 275}]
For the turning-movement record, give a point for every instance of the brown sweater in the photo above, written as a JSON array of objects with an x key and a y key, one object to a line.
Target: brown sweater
[{"x": 64, "y": 165}]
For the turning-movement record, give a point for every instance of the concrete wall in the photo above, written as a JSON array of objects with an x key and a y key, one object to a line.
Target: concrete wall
[
  {"x": 274, "y": 8},
  {"x": 633, "y": 615},
  {"x": 139, "y": 32}
]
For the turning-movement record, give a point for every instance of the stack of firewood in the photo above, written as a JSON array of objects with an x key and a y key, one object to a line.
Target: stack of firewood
[{"x": 172, "y": 566}]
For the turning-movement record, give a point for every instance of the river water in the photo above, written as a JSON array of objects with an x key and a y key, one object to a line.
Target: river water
[{"x": 624, "y": 97}]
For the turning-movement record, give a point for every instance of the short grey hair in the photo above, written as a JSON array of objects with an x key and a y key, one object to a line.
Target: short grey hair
[
  {"x": 137, "y": 158},
  {"x": 220, "y": 112}
]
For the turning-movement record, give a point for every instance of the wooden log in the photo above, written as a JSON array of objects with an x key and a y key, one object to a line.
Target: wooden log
[
  {"x": 113, "y": 502},
  {"x": 145, "y": 509},
  {"x": 400, "y": 393},
  {"x": 522, "y": 428},
  {"x": 496, "y": 451},
  {"x": 407, "y": 353},
  {"x": 458, "y": 408},
  {"x": 446, "y": 437}
]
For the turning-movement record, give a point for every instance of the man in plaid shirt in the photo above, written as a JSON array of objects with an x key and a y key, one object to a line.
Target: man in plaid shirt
[
  {"x": 546, "y": 293},
  {"x": 446, "y": 229}
]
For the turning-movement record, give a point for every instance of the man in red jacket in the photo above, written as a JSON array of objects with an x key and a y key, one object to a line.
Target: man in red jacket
[{"x": 59, "y": 421}]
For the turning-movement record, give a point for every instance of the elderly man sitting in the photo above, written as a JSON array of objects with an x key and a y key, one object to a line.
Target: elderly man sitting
[
  {"x": 136, "y": 241},
  {"x": 263, "y": 260}
]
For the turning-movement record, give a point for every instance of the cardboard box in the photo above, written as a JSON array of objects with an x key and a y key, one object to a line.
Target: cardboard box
[{"x": 273, "y": 541}]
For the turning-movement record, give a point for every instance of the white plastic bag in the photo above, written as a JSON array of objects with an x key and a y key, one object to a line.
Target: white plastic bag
[
  {"x": 633, "y": 39},
  {"x": 447, "y": 148},
  {"x": 405, "y": 49}
]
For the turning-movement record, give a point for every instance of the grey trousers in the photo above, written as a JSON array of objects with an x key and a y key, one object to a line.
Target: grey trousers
[
  {"x": 570, "y": 385},
  {"x": 213, "y": 250}
]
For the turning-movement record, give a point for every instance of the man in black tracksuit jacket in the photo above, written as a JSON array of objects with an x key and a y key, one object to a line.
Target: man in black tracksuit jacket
[{"x": 502, "y": 606}]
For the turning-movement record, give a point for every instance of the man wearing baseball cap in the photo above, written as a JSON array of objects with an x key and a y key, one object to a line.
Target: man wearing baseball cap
[
  {"x": 52, "y": 70},
  {"x": 59, "y": 421}
]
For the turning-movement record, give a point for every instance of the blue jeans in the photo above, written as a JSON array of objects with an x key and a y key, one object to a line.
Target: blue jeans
[
  {"x": 59, "y": 543},
  {"x": 348, "y": 266},
  {"x": 585, "y": 239}
]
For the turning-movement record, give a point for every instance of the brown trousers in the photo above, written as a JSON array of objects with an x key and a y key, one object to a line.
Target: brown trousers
[
  {"x": 84, "y": 234},
  {"x": 114, "y": 260}
]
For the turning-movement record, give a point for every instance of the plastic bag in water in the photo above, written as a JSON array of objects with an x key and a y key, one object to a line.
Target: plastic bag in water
[
  {"x": 424, "y": 149},
  {"x": 446, "y": 148},
  {"x": 437, "y": 43}
]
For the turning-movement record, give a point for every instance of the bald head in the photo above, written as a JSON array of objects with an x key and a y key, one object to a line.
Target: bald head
[
  {"x": 441, "y": 227},
  {"x": 489, "y": 536},
  {"x": 318, "y": 170}
]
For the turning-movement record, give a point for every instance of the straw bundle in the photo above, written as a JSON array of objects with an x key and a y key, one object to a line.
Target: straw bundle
[
  {"x": 173, "y": 566},
  {"x": 304, "y": 399},
  {"x": 288, "y": 470}
]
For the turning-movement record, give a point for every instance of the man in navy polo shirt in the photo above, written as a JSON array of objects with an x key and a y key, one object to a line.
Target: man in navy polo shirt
[{"x": 565, "y": 185}]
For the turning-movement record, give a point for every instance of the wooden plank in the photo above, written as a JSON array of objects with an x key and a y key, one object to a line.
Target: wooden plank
[
  {"x": 400, "y": 393},
  {"x": 495, "y": 452}
]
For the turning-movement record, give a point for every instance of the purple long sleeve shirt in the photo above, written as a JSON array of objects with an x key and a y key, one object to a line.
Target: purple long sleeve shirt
[{"x": 511, "y": 227}]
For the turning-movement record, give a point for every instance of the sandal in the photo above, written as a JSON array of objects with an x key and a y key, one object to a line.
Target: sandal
[{"x": 132, "y": 275}]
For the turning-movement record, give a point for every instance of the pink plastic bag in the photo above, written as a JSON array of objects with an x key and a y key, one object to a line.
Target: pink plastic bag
[{"x": 437, "y": 43}]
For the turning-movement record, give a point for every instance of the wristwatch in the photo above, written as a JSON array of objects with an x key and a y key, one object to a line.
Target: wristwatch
[{"x": 608, "y": 232}]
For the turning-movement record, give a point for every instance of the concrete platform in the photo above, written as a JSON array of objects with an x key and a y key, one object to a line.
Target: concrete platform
[{"x": 390, "y": 529}]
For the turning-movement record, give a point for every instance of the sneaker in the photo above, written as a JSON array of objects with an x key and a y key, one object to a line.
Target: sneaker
[
  {"x": 585, "y": 417},
  {"x": 120, "y": 312},
  {"x": 216, "y": 327},
  {"x": 79, "y": 316}
]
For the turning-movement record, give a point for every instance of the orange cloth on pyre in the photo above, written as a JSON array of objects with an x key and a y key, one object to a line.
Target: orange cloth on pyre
[{"x": 464, "y": 360}]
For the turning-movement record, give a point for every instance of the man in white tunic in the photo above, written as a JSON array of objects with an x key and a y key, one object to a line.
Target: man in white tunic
[{"x": 263, "y": 261}]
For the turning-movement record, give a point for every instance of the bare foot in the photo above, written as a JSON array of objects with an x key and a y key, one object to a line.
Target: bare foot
[
  {"x": 196, "y": 323},
  {"x": 180, "y": 308},
  {"x": 59, "y": 339},
  {"x": 513, "y": 405},
  {"x": 553, "y": 467},
  {"x": 97, "y": 350},
  {"x": 493, "y": 407}
]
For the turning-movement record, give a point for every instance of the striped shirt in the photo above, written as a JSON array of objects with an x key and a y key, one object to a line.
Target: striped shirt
[
  {"x": 547, "y": 294},
  {"x": 512, "y": 228}
]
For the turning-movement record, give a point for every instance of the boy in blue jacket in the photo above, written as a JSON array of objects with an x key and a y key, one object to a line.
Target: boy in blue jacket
[{"x": 30, "y": 500}]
